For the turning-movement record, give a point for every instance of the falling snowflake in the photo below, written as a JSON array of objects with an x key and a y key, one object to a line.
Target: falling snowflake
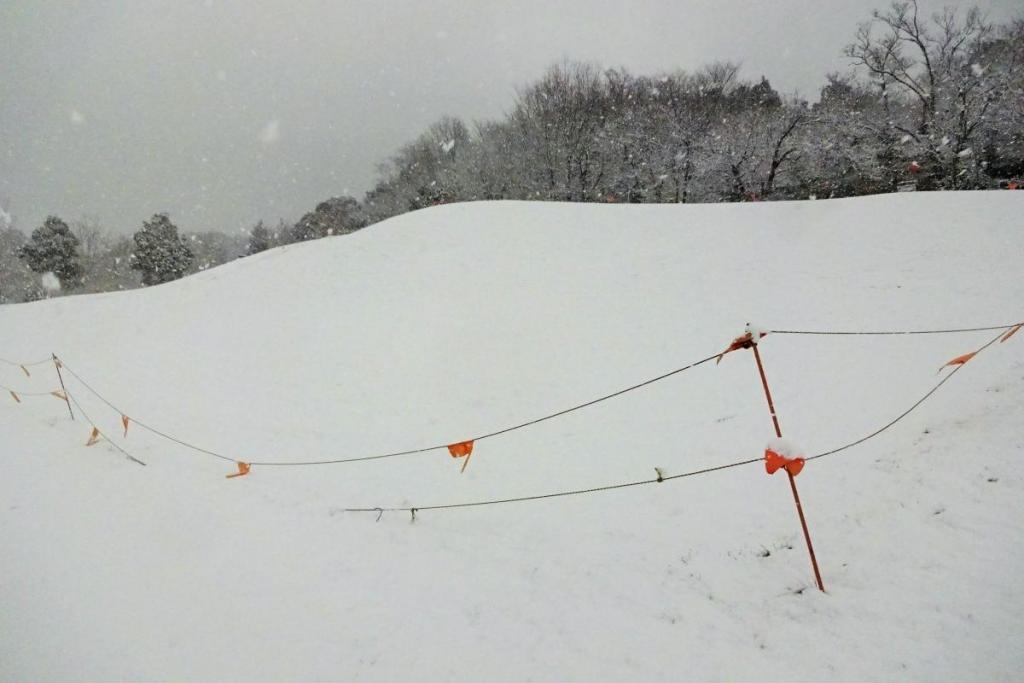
[{"x": 271, "y": 133}]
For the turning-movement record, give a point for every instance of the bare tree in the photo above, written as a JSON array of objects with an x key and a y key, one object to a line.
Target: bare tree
[{"x": 933, "y": 65}]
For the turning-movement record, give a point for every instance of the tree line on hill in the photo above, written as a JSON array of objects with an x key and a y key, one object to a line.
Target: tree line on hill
[{"x": 934, "y": 103}]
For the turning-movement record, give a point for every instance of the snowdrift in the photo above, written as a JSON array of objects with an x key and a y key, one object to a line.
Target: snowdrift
[{"x": 460, "y": 320}]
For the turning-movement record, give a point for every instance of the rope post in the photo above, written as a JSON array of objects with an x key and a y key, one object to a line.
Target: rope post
[
  {"x": 767, "y": 391},
  {"x": 56, "y": 364},
  {"x": 792, "y": 480}
]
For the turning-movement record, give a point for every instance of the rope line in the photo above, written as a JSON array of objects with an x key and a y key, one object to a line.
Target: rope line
[
  {"x": 25, "y": 365},
  {"x": 909, "y": 410},
  {"x": 395, "y": 454},
  {"x": 100, "y": 432},
  {"x": 896, "y": 332},
  {"x": 660, "y": 479},
  {"x": 143, "y": 425},
  {"x": 27, "y": 393},
  {"x": 558, "y": 494}
]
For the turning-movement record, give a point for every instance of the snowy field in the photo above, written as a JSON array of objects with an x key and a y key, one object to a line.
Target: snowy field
[{"x": 455, "y": 321}]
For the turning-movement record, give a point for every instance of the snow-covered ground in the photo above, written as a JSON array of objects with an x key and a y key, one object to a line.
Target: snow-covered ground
[{"x": 459, "y": 320}]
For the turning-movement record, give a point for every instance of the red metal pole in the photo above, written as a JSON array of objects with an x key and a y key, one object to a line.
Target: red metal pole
[
  {"x": 807, "y": 534},
  {"x": 792, "y": 480},
  {"x": 767, "y": 392}
]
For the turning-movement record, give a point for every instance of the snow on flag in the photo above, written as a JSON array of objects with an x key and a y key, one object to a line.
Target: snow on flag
[
  {"x": 747, "y": 340},
  {"x": 783, "y": 454}
]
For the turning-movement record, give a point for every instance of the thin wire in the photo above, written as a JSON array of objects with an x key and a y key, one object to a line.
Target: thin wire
[
  {"x": 559, "y": 494},
  {"x": 852, "y": 444},
  {"x": 143, "y": 425},
  {"x": 25, "y": 365},
  {"x": 98, "y": 431},
  {"x": 397, "y": 453},
  {"x": 26, "y": 393},
  {"x": 908, "y": 410},
  {"x": 898, "y": 332},
  {"x": 686, "y": 474}
]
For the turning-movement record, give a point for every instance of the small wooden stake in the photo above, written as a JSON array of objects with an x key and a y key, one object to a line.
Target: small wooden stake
[
  {"x": 56, "y": 364},
  {"x": 792, "y": 480}
]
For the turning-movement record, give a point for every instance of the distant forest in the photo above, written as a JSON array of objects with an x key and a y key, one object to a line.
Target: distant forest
[{"x": 932, "y": 103}]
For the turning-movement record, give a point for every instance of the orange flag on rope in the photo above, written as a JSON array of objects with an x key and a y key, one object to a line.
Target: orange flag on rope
[
  {"x": 243, "y": 469},
  {"x": 125, "y": 421},
  {"x": 1011, "y": 333},
  {"x": 94, "y": 437},
  {"x": 15, "y": 397},
  {"x": 744, "y": 341},
  {"x": 463, "y": 449},
  {"x": 773, "y": 462},
  {"x": 25, "y": 370},
  {"x": 959, "y": 360},
  {"x": 59, "y": 394}
]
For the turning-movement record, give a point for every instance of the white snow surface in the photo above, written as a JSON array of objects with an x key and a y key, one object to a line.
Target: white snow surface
[{"x": 458, "y": 320}]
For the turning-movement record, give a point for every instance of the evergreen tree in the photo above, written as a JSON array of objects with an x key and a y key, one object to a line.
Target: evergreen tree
[
  {"x": 160, "y": 255},
  {"x": 17, "y": 282},
  {"x": 336, "y": 216},
  {"x": 259, "y": 239},
  {"x": 54, "y": 248}
]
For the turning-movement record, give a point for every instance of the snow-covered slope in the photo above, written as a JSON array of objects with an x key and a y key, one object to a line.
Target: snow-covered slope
[{"x": 455, "y": 321}]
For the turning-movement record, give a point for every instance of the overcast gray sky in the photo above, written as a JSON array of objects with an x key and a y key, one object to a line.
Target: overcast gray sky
[{"x": 224, "y": 112}]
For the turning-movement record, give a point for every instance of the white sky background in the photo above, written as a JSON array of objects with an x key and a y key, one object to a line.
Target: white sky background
[{"x": 225, "y": 112}]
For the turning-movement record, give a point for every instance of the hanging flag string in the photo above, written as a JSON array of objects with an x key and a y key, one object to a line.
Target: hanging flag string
[
  {"x": 24, "y": 365},
  {"x": 1005, "y": 333},
  {"x": 100, "y": 434},
  {"x": 416, "y": 451},
  {"x": 661, "y": 478}
]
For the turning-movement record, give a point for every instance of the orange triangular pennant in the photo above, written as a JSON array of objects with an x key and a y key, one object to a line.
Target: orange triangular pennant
[
  {"x": 94, "y": 437},
  {"x": 744, "y": 341},
  {"x": 125, "y": 421},
  {"x": 243, "y": 469},
  {"x": 1011, "y": 333},
  {"x": 15, "y": 397},
  {"x": 463, "y": 449},
  {"x": 959, "y": 360},
  {"x": 460, "y": 449},
  {"x": 25, "y": 370},
  {"x": 741, "y": 342},
  {"x": 59, "y": 394}
]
